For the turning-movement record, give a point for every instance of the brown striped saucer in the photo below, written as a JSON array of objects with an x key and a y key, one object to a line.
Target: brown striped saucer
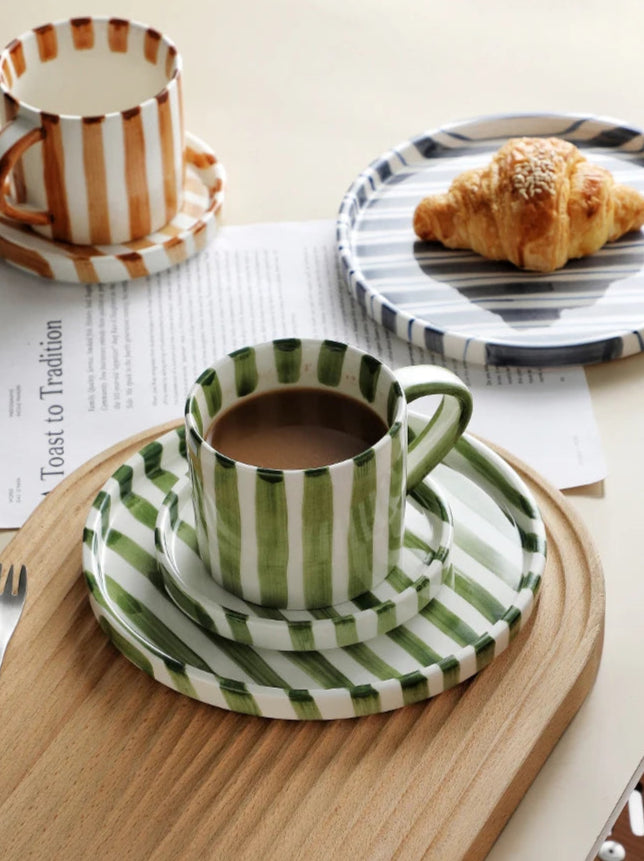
[
  {"x": 187, "y": 233},
  {"x": 423, "y": 567}
]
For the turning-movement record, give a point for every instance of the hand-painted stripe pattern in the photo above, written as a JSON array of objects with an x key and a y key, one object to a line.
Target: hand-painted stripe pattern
[
  {"x": 188, "y": 233},
  {"x": 470, "y": 622},
  {"x": 424, "y": 564},
  {"x": 460, "y": 305},
  {"x": 137, "y": 171},
  {"x": 317, "y": 549},
  {"x": 363, "y": 531}
]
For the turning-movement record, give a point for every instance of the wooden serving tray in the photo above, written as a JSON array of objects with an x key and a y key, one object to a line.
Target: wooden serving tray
[{"x": 99, "y": 760}]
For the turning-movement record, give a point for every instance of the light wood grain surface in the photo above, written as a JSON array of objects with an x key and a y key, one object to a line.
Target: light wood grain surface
[{"x": 109, "y": 763}]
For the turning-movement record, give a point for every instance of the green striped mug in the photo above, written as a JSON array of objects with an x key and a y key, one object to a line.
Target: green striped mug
[{"x": 314, "y": 536}]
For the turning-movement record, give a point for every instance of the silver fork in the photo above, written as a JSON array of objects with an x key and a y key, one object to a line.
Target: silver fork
[{"x": 11, "y": 604}]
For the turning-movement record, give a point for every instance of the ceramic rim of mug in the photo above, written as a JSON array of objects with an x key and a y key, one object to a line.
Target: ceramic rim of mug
[
  {"x": 8, "y": 66},
  {"x": 394, "y": 418}
]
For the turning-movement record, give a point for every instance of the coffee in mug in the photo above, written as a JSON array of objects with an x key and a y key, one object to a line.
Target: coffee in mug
[
  {"x": 295, "y": 428},
  {"x": 320, "y": 531}
]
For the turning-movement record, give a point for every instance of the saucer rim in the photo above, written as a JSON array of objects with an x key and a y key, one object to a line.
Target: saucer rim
[{"x": 309, "y": 634}]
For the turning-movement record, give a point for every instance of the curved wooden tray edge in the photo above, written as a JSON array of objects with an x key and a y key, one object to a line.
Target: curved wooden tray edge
[{"x": 477, "y": 748}]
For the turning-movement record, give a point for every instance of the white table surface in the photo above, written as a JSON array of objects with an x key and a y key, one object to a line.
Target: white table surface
[{"x": 297, "y": 97}]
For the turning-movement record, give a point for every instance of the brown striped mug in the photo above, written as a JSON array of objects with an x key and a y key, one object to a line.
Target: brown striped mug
[
  {"x": 280, "y": 520},
  {"x": 92, "y": 138}
]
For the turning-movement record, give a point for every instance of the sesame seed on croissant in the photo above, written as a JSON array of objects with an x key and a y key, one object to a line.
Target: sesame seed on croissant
[{"x": 538, "y": 204}]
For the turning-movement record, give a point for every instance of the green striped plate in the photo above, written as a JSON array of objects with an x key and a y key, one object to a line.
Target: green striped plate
[
  {"x": 498, "y": 556},
  {"x": 410, "y": 586}
]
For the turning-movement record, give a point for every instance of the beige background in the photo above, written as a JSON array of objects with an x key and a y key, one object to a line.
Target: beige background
[{"x": 296, "y": 97}]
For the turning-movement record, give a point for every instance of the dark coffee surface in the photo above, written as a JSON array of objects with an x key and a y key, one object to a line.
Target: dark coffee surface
[{"x": 295, "y": 428}]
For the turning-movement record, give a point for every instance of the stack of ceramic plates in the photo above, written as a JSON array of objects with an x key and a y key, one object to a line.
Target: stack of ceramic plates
[{"x": 466, "y": 583}]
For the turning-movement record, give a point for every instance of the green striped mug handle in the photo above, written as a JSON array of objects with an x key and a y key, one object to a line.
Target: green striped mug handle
[{"x": 445, "y": 426}]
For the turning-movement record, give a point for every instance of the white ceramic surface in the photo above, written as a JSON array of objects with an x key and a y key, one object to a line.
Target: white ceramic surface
[
  {"x": 319, "y": 535},
  {"x": 423, "y": 565},
  {"x": 189, "y": 232},
  {"x": 498, "y": 558},
  {"x": 92, "y": 135}
]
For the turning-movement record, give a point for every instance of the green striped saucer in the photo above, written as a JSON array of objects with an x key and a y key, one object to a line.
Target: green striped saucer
[
  {"x": 407, "y": 590},
  {"x": 498, "y": 557}
]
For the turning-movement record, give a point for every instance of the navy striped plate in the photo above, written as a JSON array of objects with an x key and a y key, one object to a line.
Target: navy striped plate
[{"x": 464, "y": 307}]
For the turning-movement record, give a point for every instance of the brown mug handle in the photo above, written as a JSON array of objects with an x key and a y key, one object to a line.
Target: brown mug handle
[{"x": 8, "y": 159}]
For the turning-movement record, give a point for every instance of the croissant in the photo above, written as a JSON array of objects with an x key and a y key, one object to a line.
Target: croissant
[{"x": 538, "y": 204}]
